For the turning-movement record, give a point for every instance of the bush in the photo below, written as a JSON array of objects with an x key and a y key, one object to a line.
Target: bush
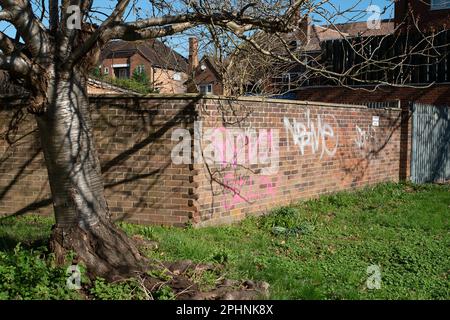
[
  {"x": 131, "y": 84},
  {"x": 140, "y": 77},
  {"x": 139, "y": 82}
]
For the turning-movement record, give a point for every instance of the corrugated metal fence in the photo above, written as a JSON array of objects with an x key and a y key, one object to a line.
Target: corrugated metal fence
[{"x": 430, "y": 158}]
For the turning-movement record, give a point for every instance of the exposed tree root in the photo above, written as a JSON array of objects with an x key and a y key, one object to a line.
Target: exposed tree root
[
  {"x": 184, "y": 288},
  {"x": 106, "y": 251}
]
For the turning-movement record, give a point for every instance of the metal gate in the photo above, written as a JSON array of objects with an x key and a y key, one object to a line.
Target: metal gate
[{"x": 430, "y": 159}]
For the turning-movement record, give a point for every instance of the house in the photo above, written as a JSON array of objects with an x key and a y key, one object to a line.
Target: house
[
  {"x": 311, "y": 50},
  {"x": 165, "y": 68},
  {"x": 263, "y": 76},
  {"x": 206, "y": 77},
  {"x": 425, "y": 77}
]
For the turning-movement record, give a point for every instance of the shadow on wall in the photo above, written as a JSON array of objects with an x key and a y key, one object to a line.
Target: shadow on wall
[
  {"x": 373, "y": 145},
  {"x": 128, "y": 133}
]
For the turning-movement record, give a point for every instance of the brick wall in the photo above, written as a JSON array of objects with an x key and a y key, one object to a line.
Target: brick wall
[
  {"x": 337, "y": 149},
  {"x": 135, "y": 138}
]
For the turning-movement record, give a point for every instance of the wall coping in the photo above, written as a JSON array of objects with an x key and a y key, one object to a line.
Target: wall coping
[{"x": 195, "y": 96}]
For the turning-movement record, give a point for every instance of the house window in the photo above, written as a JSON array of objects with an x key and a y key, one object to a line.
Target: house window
[
  {"x": 205, "y": 88},
  {"x": 140, "y": 68},
  {"x": 121, "y": 73},
  {"x": 440, "y": 4},
  {"x": 106, "y": 70}
]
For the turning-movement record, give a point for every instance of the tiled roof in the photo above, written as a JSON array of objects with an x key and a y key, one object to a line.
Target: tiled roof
[
  {"x": 153, "y": 50},
  {"x": 355, "y": 29},
  {"x": 319, "y": 34}
]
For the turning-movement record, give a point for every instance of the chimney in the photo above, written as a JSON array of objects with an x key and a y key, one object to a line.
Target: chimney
[
  {"x": 304, "y": 28},
  {"x": 193, "y": 54}
]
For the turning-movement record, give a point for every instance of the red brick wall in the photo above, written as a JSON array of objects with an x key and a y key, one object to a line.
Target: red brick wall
[
  {"x": 134, "y": 138},
  {"x": 332, "y": 161}
]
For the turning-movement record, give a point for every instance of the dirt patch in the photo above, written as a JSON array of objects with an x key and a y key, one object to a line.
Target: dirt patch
[{"x": 179, "y": 277}]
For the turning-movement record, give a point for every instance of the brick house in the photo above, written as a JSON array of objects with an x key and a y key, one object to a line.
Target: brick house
[
  {"x": 165, "y": 68},
  {"x": 205, "y": 75}
]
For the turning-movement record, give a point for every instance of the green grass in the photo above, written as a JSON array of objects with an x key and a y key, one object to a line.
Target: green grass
[{"x": 318, "y": 249}]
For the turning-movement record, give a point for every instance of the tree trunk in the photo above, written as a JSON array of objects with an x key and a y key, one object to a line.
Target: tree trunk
[{"x": 83, "y": 223}]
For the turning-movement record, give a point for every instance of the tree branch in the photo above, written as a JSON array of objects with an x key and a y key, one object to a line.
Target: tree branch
[
  {"x": 29, "y": 27},
  {"x": 5, "y": 15},
  {"x": 54, "y": 15},
  {"x": 115, "y": 16},
  {"x": 15, "y": 65},
  {"x": 6, "y": 44},
  {"x": 134, "y": 35}
]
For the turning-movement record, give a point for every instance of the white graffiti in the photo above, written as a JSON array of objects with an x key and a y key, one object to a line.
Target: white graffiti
[
  {"x": 313, "y": 134},
  {"x": 364, "y": 135}
]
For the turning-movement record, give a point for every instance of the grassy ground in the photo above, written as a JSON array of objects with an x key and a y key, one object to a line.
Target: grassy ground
[{"x": 318, "y": 249}]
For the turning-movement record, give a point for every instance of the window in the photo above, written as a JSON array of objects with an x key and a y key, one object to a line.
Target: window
[
  {"x": 140, "y": 68},
  {"x": 122, "y": 73},
  {"x": 106, "y": 71},
  {"x": 205, "y": 88},
  {"x": 440, "y": 4}
]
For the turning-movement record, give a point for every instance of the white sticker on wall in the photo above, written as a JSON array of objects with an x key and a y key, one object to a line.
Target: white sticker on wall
[{"x": 375, "y": 121}]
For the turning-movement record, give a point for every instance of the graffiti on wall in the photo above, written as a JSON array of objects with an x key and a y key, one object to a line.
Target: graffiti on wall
[
  {"x": 247, "y": 189},
  {"x": 227, "y": 147},
  {"x": 241, "y": 149},
  {"x": 364, "y": 135},
  {"x": 316, "y": 135}
]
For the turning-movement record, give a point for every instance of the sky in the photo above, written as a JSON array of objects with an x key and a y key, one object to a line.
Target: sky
[{"x": 357, "y": 13}]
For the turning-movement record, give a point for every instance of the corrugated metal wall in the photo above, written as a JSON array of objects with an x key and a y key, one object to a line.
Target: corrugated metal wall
[{"x": 430, "y": 158}]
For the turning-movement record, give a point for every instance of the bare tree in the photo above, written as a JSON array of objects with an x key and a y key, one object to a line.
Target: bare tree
[
  {"x": 381, "y": 53},
  {"x": 51, "y": 57}
]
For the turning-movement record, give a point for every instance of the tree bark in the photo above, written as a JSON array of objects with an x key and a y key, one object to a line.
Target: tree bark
[{"x": 83, "y": 223}]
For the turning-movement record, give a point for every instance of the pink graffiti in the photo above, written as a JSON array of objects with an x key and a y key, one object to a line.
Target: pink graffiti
[
  {"x": 247, "y": 189},
  {"x": 232, "y": 152}
]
